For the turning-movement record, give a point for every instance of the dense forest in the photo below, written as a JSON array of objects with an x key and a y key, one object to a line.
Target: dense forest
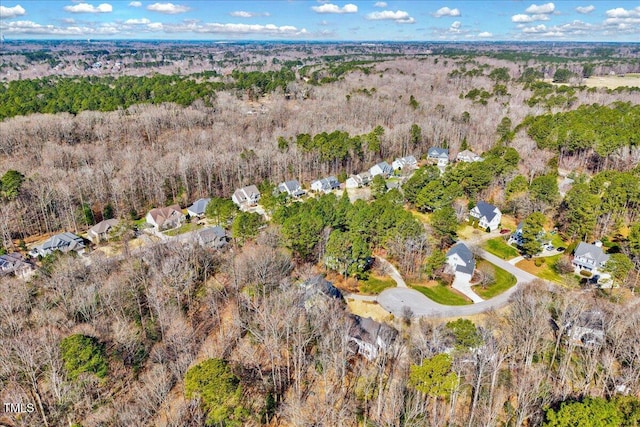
[{"x": 176, "y": 334}]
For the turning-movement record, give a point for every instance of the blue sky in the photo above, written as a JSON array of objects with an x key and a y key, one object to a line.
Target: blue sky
[{"x": 587, "y": 20}]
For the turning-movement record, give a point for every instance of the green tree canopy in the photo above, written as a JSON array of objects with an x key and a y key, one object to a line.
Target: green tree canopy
[
  {"x": 10, "y": 184},
  {"x": 434, "y": 377},
  {"x": 219, "y": 391},
  {"x": 83, "y": 354}
]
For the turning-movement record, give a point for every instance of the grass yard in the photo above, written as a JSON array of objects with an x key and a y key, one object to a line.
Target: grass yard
[
  {"x": 442, "y": 294},
  {"x": 422, "y": 217},
  {"x": 500, "y": 248},
  {"x": 375, "y": 284},
  {"x": 184, "y": 228},
  {"x": 545, "y": 271},
  {"x": 504, "y": 281}
]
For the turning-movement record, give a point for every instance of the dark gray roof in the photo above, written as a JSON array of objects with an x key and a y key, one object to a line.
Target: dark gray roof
[
  {"x": 318, "y": 284},
  {"x": 466, "y": 255},
  {"x": 438, "y": 152},
  {"x": 199, "y": 206},
  {"x": 213, "y": 235},
  {"x": 291, "y": 187},
  {"x": 486, "y": 210},
  {"x": 64, "y": 241},
  {"x": 368, "y": 330}
]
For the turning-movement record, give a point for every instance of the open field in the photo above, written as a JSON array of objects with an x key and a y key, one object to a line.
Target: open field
[
  {"x": 504, "y": 281},
  {"x": 610, "y": 82}
]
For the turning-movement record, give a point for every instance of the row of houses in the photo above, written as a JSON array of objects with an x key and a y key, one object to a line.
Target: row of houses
[{"x": 441, "y": 156}]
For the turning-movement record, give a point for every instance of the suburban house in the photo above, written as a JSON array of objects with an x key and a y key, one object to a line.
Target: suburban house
[
  {"x": 63, "y": 242},
  {"x": 101, "y": 230},
  {"x": 404, "y": 162},
  {"x": 325, "y": 185},
  {"x": 440, "y": 155},
  {"x": 198, "y": 207},
  {"x": 589, "y": 257},
  {"x": 292, "y": 188},
  {"x": 246, "y": 197},
  {"x": 318, "y": 291},
  {"x": 487, "y": 215},
  {"x": 14, "y": 263},
  {"x": 587, "y": 330},
  {"x": 461, "y": 261},
  {"x": 165, "y": 218},
  {"x": 371, "y": 337},
  {"x": 468, "y": 157},
  {"x": 360, "y": 180},
  {"x": 215, "y": 237},
  {"x": 381, "y": 168}
]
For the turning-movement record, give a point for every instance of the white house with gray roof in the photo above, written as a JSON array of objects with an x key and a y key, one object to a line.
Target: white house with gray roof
[
  {"x": 487, "y": 215},
  {"x": 404, "y": 162},
  {"x": 440, "y": 155},
  {"x": 63, "y": 242},
  {"x": 101, "y": 230},
  {"x": 198, "y": 207},
  {"x": 291, "y": 188},
  {"x": 326, "y": 185},
  {"x": 246, "y": 197},
  {"x": 467, "y": 156},
  {"x": 461, "y": 260},
  {"x": 382, "y": 168},
  {"x": 360, "y": 180},
  {"x": 589, "y": 257}
]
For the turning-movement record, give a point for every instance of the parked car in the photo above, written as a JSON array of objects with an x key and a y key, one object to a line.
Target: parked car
[
  {"x": 561, "y": 249},
  {"x": 505, "y": 231}
]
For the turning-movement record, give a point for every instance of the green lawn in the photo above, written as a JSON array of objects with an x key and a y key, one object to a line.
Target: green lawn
[
  {"x": 500, "y": 248},
  {"x": 443, "y": 294},
  {"x": 504, "y": 280},
  {"x": 546, "y": 271},
  {"x": 374, "y": 285},
  {"x": 184, "y": 228}
]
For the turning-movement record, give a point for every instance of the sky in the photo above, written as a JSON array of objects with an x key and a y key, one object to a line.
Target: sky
[{"x": 353, "y": 20}]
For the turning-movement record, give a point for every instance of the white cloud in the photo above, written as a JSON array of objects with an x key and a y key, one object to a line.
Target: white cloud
[
  {"x": 529, "y": 18},
  {"x": 380, "y": 4},
  {"x": 399, "y": 16},
  {"x": 141, "y": 21},
  {"x": 135, "y": 4},
  {"x": 30, "y": 27},
  {"x": 456, "y": 24},
  {"x": 11, "y": 12},
  {"x": 332, "y": 8},
  {"x": 245, "y": 14},
  {"x": 543, "y": 8},
  {"x": 168, "y": 8},
  {"x": 485, "y": 34},
  {"x": 445, "y": 11},
  {"x": 623, "y": 13},
  {"x": 239, "y": 29},
  {"x": 89, "y": 8},
  {"x": 155, "y": 26},
  {"x": 585, "y": 9},
  {"x": 535, "y": 30}
]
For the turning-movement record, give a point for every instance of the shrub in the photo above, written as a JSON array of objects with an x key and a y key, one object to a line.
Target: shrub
[
  {"x": 586, "y": 273},
  {"x": 81, "y": 354}
]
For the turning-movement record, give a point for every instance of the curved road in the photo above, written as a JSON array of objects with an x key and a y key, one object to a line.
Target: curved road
[{"x": 396, "y": 300}]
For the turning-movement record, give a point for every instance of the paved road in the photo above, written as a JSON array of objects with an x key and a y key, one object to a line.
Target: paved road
[
  {"x": 396, "y": 300},
  {"x": 393, "y": 272}
]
